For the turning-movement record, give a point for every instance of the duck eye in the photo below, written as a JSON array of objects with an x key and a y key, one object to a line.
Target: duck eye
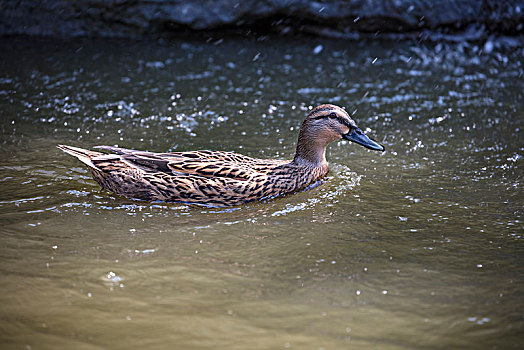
[{"x": 333, "y": 115}]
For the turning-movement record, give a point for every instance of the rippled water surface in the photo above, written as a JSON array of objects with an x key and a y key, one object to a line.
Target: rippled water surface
[{"x": 418, "y": 247}]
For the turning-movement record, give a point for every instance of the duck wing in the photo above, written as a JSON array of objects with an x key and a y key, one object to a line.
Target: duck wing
[
  {"x": 209, "y": 164},
  {"x": 213, "y": 168},
  {"x": 199, "y": 155}
]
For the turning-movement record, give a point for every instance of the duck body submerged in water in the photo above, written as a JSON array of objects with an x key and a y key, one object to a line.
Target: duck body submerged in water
[{"x": 216, "y": 178}]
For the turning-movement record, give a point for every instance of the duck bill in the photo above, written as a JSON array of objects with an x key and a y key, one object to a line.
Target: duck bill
[{"x": 356, "y": 135}]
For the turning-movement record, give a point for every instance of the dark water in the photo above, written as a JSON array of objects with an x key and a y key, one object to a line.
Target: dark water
[{"x": 417, "y": 247}]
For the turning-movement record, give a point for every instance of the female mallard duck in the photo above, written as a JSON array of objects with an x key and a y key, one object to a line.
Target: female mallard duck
[{"x": 216, "y": 178}]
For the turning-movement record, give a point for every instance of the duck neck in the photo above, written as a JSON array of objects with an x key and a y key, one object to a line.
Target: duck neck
[{"x": 311, "y": 151}]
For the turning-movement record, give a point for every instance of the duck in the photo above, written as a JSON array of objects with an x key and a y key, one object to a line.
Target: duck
[{"x": 220, "y": 178}]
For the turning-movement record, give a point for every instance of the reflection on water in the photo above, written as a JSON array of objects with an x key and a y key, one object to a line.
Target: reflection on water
[{"x": 420, "y": 246}]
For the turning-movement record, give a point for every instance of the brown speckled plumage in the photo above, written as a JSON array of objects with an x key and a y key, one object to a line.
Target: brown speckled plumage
[{"x": 217, "y": 178}]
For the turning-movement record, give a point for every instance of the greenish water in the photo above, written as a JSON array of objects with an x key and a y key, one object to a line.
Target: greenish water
[{"x": 417, "y": 247}]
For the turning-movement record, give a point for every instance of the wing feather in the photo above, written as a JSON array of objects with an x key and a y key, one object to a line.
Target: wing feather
[{"x": 203, "y": 163}]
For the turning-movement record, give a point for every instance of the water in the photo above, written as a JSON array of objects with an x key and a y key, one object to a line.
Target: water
[{"x": 417, "y": 247}]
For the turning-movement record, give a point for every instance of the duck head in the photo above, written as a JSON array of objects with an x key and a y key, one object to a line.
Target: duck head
[{"x": 324, "y": 124}]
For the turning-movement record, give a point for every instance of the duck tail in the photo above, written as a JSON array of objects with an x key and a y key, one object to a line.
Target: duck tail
[{"x": 83, "y": 155}]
